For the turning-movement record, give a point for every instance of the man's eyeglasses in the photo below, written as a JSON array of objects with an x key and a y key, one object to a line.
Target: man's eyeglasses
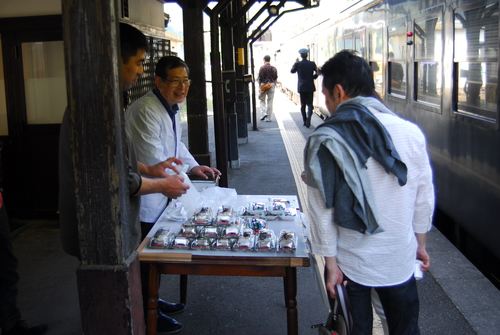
[{"x": 177, "y": 82}]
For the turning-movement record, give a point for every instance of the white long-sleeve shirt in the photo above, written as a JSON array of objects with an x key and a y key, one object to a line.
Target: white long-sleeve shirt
[
  {"x": 151, "y": 129},
  {"x": 386, "y": 258}
]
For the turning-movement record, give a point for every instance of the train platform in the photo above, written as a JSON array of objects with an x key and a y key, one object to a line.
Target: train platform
[{"x": 455, "y": 298}]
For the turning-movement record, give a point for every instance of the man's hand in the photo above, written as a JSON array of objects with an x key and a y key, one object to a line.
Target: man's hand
[
  {"x": 422, "y": 252},
  {"x": 202, "y": 170},
  {"x": 158, "y": 170},
  {"x": 424, "y": 257},
  {"x": 303, "y": 177},
  {"x": 173, "y": 186},
  {"x": 333, "y": 275},
  {"x": 170, "y": 186}
]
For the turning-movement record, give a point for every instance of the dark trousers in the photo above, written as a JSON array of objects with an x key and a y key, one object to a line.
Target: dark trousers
[
  {"x": 400, "y": 304},
  {"x": 306, "y": 99},
  {"x": 145, "y": 228},
  {"x": 9, "y": 277}
]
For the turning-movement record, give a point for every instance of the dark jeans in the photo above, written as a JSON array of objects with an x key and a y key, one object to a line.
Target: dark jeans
[
  {"x": 145, "y": 228},
  {"x": 9, "y": 277},
  {"x": 400, "y": 304},
  {"x": 306, "y": 99}
]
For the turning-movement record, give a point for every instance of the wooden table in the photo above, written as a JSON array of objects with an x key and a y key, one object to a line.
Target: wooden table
[{"x": 229, "y": 263}]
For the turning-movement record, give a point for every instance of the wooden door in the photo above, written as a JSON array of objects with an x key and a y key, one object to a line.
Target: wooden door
[{"x": 35, "y": 87}]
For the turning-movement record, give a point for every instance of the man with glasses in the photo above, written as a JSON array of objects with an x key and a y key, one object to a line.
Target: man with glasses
[{"x": 155, "y": 127}]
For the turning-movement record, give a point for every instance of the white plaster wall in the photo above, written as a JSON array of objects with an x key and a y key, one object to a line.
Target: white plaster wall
[
  {"x": 18, "y": 8},
  {"x": 147, "y": 11}
]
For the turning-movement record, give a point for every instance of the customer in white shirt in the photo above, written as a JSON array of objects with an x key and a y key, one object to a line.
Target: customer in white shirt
[{"x": 370, "y": 195}]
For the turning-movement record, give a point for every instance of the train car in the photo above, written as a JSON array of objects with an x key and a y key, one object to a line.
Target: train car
[{"x": 434, "y": 63}]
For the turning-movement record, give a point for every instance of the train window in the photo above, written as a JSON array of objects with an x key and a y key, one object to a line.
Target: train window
[
  {"x": 476, "y": 61},
  {"x": 428, "y": 55},
  {"x": 359, "y": 42},
  {"x": 348, "y": 39},
  {"x": 338, "y": 36},
  {"x": 358, "y": 45},
  {"x": 397, "y": 59},
  {"x": 375, "y": 52},
  {"x": 4, "y": 130},
  {"x": 327, "y": 43}
]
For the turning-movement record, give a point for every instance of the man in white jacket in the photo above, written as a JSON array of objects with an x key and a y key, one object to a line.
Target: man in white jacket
[
  {"x": 370, "y": 195},
  {"x": 155, "y": 127}
]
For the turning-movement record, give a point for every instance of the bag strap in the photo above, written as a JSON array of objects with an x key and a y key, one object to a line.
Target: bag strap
[
  {"x": 342, "y": 306},
  {"x": 269, "y": 73}
]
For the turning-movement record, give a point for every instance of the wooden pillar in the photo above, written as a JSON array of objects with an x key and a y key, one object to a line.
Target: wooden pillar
[
  {"x": 219, "y": 113},
  {"x": 194, "y": 51},
  {"x": 242, "y": 92},
  {"x": 228, "y": 67},
  {"x": 108, "y": 277}
]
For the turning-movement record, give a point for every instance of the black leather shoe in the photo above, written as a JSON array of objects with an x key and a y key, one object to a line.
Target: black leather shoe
[
  {"x": 167, "y": 325},
  {"x": 170, "y": 309},
  {"x": 263, "y": 118},
  {"x": 21, "y": 328}
]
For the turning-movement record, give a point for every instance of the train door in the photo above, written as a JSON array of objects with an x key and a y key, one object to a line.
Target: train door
[{"x": 35, "y": 102}]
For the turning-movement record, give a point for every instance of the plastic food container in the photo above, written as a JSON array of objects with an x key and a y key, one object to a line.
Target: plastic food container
[{"x": 160, "y": 240}]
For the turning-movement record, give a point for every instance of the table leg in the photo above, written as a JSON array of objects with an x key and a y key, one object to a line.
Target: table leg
[
  {"x": 290, "y": 282},
  {"x": 184, "y": 283},
  {"x": 153, "y": 299}
]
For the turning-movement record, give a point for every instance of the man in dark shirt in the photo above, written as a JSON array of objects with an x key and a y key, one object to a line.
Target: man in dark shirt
[
  {"x": 10, "y": 316},
  {"x": 307, "y": 72},
  {"x": 267, "y": 75}
]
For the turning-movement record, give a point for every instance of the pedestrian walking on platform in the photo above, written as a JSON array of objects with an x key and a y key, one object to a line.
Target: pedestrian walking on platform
[
  {"x": 370, "y": 196},
  {"x": 307, "y": 72},
  {"x": 268, "y": 75}
]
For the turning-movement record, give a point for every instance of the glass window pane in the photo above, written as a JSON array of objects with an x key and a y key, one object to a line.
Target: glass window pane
[
  {"x": 338, "y": 34},
  {"x": 429, "y": 83},
  {"x": 428, "y": 50},
  {"x": 359, "y": 43},
  {"x": 477, "y": 91},
  {"x": 398, "y": 79},
  {"x": 397, "y": 59},
  {"x": 397, "y": 41},
  {"x": 476, "y": 33},
  {"x": 375, "y": 50},
  {"x": 348, "y": 39},
  {"x": 44, "y": 81},
  {"x": 476, "y": 59},
  {"x": 348, "y": 43},
  {"x": 4, "y": 130},
  {"x": 428, "y": 38}
]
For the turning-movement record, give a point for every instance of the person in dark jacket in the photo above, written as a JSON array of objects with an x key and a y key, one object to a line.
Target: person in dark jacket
[
  {"x": 307, "y": 72},
  {"x": 10, "y": 315}
]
